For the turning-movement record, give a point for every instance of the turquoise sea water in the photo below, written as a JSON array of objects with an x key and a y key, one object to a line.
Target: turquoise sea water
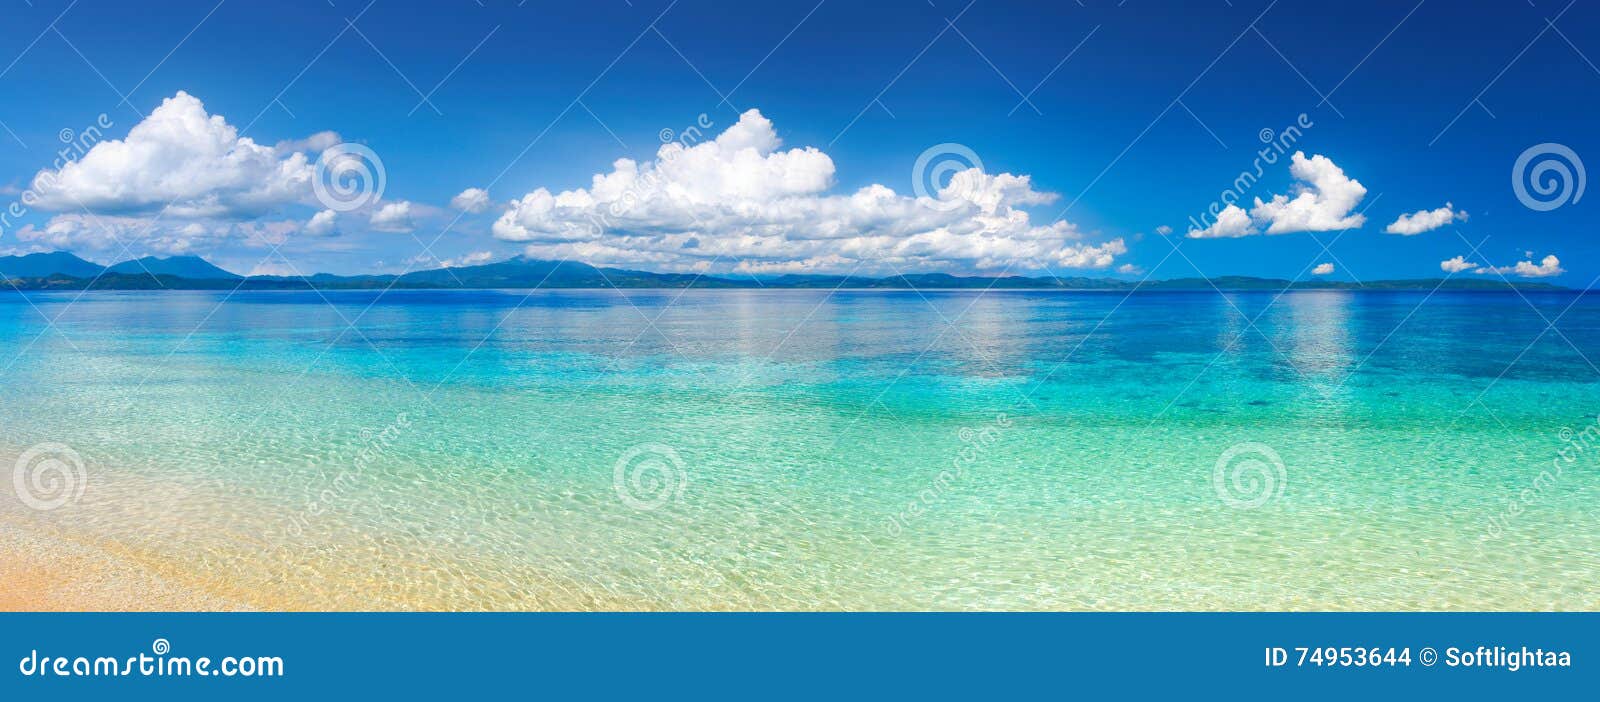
[{"x": 660, "y": 449}]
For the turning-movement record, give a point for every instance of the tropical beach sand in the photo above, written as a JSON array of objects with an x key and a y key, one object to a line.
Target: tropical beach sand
[
  {"x": 44, "y": 573},
  {"x": 134, "y": 543}
]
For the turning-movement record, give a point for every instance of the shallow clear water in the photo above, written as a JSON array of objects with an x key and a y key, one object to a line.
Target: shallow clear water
[{"x": 813, "y": 450}]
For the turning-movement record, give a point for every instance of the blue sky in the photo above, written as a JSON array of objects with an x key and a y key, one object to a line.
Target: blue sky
[{"x": 1137, "y": 117}]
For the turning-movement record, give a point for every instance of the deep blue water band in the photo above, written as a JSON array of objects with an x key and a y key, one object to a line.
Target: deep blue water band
[{"x": 753, "y": 656}]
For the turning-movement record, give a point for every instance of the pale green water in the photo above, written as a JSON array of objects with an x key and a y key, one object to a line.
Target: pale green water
[{"x": 274, "y": 457}]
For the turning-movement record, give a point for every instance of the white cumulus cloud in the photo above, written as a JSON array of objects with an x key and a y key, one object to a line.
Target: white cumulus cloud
[
  {"x": 1425, "y": 220},
  {"x": 393, "y": 217},
  {"x": 182, "y": 181},
  {"x": 322, "y": 223},
  {"x": 321, "y": 141},
  {"x": 1456, "y": 265},
  {"x": 273, "y": 268},
  {"x": 743, "y": 202},
  {"x": 1549, "y": 266},
  {"x": 1323, "y": 199},
  {"x": 1232, "y": 222},
  {"x": 183, "y": 161},
  {"x": 471, "y": 200},
  {"x": 472, "y": 259},
  {"x": 111, "y": 232},
  {"x": 424, "y": 261},
  {"x": 1322, "y": 269}
]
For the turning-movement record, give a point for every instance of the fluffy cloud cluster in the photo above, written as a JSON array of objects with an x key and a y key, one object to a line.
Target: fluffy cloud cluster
[
  {"x": 471, "y": 200},
  {"x": 109, "y": 232},
  {"x": 183, "y": 161},
  {"x": 742, "y": 199},
  {"x": 1456, "y": 265},
  {"x": 1322, "y": 269},
  {"x": 1425, "y": 220},
  {"x": 322, "y": 223},
  {"x": 1547, "y": 267},
  {"x": 183, "y": 180},
  {"x": 393, "y": 217},
  {"x": 321, "y": 141},
  {"x": 1231, "y": 222},
  {"x": 1323, "y": 199},
  {"x": 425, "y": 261}
]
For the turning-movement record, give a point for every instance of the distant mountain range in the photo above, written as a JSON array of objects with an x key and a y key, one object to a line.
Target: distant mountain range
[
  {"x": 43, "y": 265},
  {"x": 60, "y": 264},
  {"x": 64, "y": 271},
  {"x": 190, "y": 267}
]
